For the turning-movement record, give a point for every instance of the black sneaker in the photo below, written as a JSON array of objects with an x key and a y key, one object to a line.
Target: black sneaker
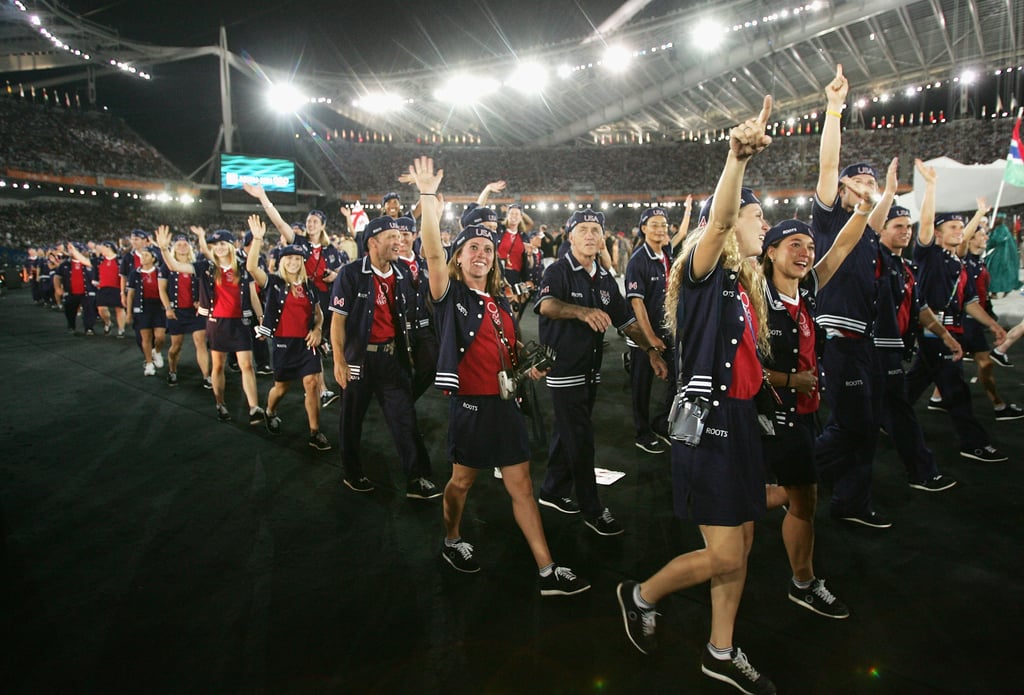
[
  {"x": 257, "y": 416},
  {"x": 273, "y": 424},
  {"x": 207, "y": 383},
  {"x": 651, "y": 444},
  {"x": 938, "y": 406},
  {"x": 460, "y": 556},
  {"x": 89, "y": 331},
  {"x": 233, "y": 366},
  {"x": 968, "y": 357},
  {"x": 172, "y": 379},
  {"x": 868, "y": 518},
  {"x": 986, "y": 454},
  {"x": 737, "y": 672},
  {"x": 328, "y": 397},
  {"x": 936, "y": 483},
  {"x": 626, "y": 358},
  {"x": 264, "y": 370},
  {"x": 1000, "y": 359},
  {"x": 605, "y": 524},
  {"x": 1010, "y": 412},
  {"x": 318, "y": 441},
  {"x": 422, "y": 489},
  {"x": 562, "y": 504},
  {"x": 562, "y": 582},
  {"x": 639, "y": 622},
  {"x": 818, "y": 599},
  {"x": 360, "y": 484},
  {"x": 222, "y": 413}
]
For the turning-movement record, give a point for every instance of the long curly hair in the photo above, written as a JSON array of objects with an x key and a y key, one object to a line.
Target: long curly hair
[{"x": 750, "y": 276}]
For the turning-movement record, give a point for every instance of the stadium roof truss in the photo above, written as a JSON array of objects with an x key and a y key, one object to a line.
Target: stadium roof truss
[{"x": 674, "y": 83}]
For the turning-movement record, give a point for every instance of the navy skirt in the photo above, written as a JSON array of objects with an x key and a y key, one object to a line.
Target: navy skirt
[
  {"x": 721, "y": 481},
  {"x": 486, "y": 432},
  {"x": 229, "y": 335},
  {"x": 293, "y": 359}
]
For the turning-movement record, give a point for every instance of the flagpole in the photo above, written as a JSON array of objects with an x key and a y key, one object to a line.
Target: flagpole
[{"x": 999, "y": 196}]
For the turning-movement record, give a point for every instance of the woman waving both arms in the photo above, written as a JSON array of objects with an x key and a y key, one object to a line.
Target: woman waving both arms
[
  {"x": 484, "y": 429},
  {"x": 293, "y": 320}
]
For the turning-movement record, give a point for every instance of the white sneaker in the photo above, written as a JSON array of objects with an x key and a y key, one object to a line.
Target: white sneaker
[
  {"x": 158, "y": 359},
  {"x": 149, "y": 369}
]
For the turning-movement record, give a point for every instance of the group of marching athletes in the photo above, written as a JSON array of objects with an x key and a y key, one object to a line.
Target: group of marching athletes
[{"x": 750, "y": 325}]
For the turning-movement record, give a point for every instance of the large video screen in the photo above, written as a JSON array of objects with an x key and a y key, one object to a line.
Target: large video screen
[{"x": 277, "y": 176}]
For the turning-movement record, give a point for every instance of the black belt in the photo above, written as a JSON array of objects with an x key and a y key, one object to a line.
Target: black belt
[{"x": 387, "y": 348}]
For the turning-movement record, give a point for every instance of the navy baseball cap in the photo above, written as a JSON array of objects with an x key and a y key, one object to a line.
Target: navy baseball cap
[
  {"x": 406, "y": 224},
  {"x": 476, "y": 214},
  {"x": 292, "y": 250},
  {"x": 220, "y": 235},
  {"x": 391, "y": 195},
  {"x": 943, "y": 217},
  {"x": 784, "y": 229},
  {"x": 378, "y": 225},
  {"x": 320, "y": 214},
  {"x": 584, "y": 215},
  {"x": 897, "y": 211},
  {"x": 747, "y": 197},
  {"x": 857, "y": 169},
  {"x": 473, "y": 231},
  {"x": 652, "y": 212},
  {"x": 139, "y": 234},
  {"x": 247, "y": 239}
]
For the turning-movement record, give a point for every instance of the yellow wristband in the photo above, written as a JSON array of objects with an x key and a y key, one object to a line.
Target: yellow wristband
[{"x": 834, "y": 113}]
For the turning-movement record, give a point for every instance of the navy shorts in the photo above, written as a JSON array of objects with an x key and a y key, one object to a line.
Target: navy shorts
[
  {"x": 229, "y": 335},
  {"x": 151, "y": 316},
  {"x": 293, "y": 359},
  {"x": 109, "y": 296},
  {"x": 485, "y": 431},
  {"x": 721, "y": 481},
  {"x": 185, "y": 321},
  {"x": 789, "y": 455},
  {"x": 973, "y": 338}
]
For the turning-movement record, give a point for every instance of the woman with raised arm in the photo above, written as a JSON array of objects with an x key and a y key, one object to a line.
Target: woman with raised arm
[
  {"x": 225, "y": 300},
  {"x": 717, "y": 309},
  {"x": 793, "y": 277},
  {"x": 478, "y": 343},
  {"x": 293, "y": 320},
  {"x": 179, "y": 293}
]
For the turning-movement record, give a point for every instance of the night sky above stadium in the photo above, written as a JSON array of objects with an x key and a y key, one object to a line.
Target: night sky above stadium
[{"x": 179, "y": 110}]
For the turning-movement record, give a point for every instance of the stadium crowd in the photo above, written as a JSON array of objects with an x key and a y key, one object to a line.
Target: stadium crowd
[{"x": 58, "y": 140}]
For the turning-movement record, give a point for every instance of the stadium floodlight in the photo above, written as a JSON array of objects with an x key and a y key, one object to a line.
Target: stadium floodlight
[
  {"x": 186, "y": 199},
  {"x": 380, "y": 103},
  {"x": 285, "y": 97},
  {"x": 616, "y": 59},
  {"x": 910, "y": 91},
  {"x": 861, "y": 103},
  {"x": 466, "y": 89},
  {"x": 968, "y": 77},
  {"x": 708, "y": 34},
  {"x": 564, "y": 71},
  {"x": 529, "y": 78}
]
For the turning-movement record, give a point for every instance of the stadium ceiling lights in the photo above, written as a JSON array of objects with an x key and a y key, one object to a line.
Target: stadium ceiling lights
[
  {"x": 709, "y": 34},
  {"x": 285, "y": 98},
  {"x": 381, "y": 103},
  {"x": 529, "y": 78},
  {"x": 36, "y": 21},
  {"x": 466, "y": 89},
  {"x": 616, "y": 59}
]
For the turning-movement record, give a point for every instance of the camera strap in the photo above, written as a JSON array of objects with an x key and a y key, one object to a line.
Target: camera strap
[{"x": 501, "y": 337}]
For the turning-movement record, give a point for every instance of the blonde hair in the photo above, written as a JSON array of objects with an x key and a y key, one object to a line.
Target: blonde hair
[
  {"x": 300, "y": 277},
  {"x": 191, "y": 253},
  {"x": 748, "y": 271},
  {"x": 217, "y": 273},
  {"x": 494, "y": 276}
]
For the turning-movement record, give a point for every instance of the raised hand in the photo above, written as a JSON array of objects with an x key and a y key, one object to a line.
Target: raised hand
[
  {"x": 495, "y": 186},
  {"x": 422, "y": 174},
  {"x": 892, "y": 175},
  {"x": 163, "y": 236},
  {"x": 748, "y": 138},
  {"x": 837, "y": 89},
  {"x": 256, "y": 191},
  {"x": 257, "y": 227},
  {"x": 864, "y": 191},
  {"x": 926, "y": 172},
  {"x": 983, "y": 206}
]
